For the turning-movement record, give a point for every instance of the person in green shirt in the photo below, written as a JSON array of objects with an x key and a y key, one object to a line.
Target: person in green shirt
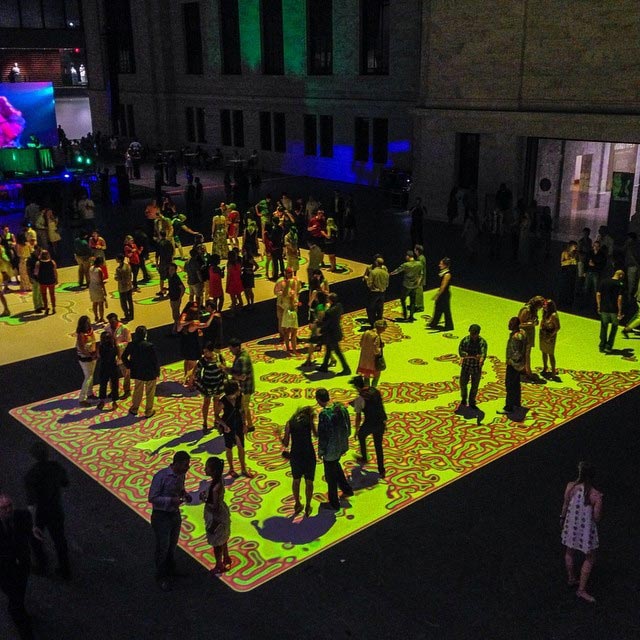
[{"x": 411, "y": 280}]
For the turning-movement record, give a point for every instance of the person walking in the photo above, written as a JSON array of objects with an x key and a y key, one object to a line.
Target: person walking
[
  {"x": 443, "y": 298},
  {"x": 302, "y": 457},
  {"x": 412, "y": 277},
  {"x": 581, "y": 512},
  {"x": 609, "y": 302},
  {"x": 16, "y": 534},
  {"x": 369, "y": 403},
  {"x": 166, "y": 494},
  {"x": 97, "y": 290},
  {"x": 377, "y": 280},
  {"x": 516, "y": 347},
  {"x": 334, "y": 428},
  {"x": 176, "y": 291},
  {"x": 418, "y": 251},
  {"x": 217, "y": 517},
  {"x": 372, "y": 363},
  {"x": 87, "y": 354},
  {"x": 124, "y": 277},
  {"x": 242, "y": 372},
  {"x": 44, "y": 483},
  {"x": 473, "y": 352},
  {"x": 141, "y": 359},
  {"x": 331, "y": 332}
]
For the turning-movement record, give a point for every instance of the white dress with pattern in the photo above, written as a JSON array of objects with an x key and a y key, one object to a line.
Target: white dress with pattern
[{"x": 579, "y": 531}]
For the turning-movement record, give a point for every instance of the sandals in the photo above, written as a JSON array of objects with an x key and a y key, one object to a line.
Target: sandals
[
  {"x": 297, "y": 508},
  {"x": 233, "y": 474}
]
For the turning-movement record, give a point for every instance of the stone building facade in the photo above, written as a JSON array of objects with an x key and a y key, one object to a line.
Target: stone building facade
[{"x": 475, "y": 93}]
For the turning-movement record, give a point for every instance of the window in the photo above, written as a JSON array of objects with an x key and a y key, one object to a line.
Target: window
[
  {"x": 279, "y": 133},
  {"x": 9, "y": 14},
  {"x": 225, "y": 127},
  {"x": 230, "y": 37},
  {"x": 310, "y": 135},
  {"x": 31, "y": 14},
  {"x": 468, "y": 157},
  {"x": 126, "y": 121},
  {"x": 238, "y": 129},
  {"x": 192, "y": 37},
  {"x": 318, "y": 127},
  {"x": 38, "y": 14},
  {"x": 272, "y": 46},
  {"x": 265, "y": 131},
  {"x": 195, "y": 126},
  {"x": 380, "y": 140},
  {"x": 53, "y": 11},
  {"x": 120, "y": 35},
  {"x": 374, "y": 37},
  {"x": 72, "y": 14},
  {"x": 319, "y": 37},
  {"x": 326, "y": 136},
  {"x": 131, "y": 124},
  {"x": 361, "y": 142},
  {"x": 190, "y": 122},
  {"x": 201, "y": 131}
]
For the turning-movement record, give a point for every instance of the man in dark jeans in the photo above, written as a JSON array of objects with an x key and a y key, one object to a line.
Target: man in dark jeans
[
  {"x": 333, "y": 441},
  {"x": 609, "y": 302},
  {"x": 44, "y": 483},
  {"x": 166, "y": 495},
  {"x": 516, "y": 347},
  {"x": 369, "y": 402},
  {"x": 331, "y": 333},
  {"x": 15, "y": 560}
]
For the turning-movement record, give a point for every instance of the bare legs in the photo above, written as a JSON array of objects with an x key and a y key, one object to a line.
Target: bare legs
[
  {"x": 223, "y": 559},
  {"x": 241, "y": 460},
  {"x": 585, "y": 572},
  {"x": 290, "y": 339},
  {"x": 308, "y": 495},
  {"x": 549, "y": 357},
  {"x": 98, "y": 311}
]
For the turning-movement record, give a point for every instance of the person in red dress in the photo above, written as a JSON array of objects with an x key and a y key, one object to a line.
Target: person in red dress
[{"x": 234, "y": 280}]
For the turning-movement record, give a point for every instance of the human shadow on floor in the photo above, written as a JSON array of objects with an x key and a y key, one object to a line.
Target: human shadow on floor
[
  {"x": 518, "y": 415},
  {"x": 120, "y": 422},
  {"x": 193, "y": 438},
  {"x": 363, "y": 479},
  {"x": 173, "y": 389},
  {"x": 213, "y": 446},
  {"x": 28, "y": 316},
  {"x": 470, "y": 413},
  {"x": 296, "y": 531},
  {"x": 64, "y": 403},
  {"x": 627, "y": 353},
  {"x": 277, "y": 354},
  {"x": 266, "y": 341},
  {"x": 85, "y": 413},
  {"x": 316, "y": 376}
]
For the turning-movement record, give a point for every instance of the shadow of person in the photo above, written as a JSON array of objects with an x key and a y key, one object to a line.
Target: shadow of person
[
  {"x": 305, "y": 531},
  {"x": 363, "y": 479},
  {"x": 120, "y": 422},
  {"x": 174, "y": 389},
  {"x": 64, "y": 403},
  {"x": 189, "y": 437}
]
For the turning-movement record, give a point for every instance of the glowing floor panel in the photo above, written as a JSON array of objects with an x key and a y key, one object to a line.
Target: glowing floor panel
[{"x": 427, "y": 445}]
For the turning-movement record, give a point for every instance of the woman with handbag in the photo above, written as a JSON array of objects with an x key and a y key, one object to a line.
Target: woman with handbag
[
  {"x": 372, "y": 362},
  {"x": 217, "y": 518}
]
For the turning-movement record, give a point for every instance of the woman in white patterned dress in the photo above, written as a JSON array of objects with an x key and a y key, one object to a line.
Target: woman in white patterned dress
[{"x": 581, "y": 512}]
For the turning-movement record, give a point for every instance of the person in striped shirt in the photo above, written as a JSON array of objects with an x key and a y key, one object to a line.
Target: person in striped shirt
[{"x": 208, "y": 378}]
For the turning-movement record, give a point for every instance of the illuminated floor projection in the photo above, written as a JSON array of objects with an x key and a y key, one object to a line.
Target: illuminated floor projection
[{"x": 427, "y": 445}]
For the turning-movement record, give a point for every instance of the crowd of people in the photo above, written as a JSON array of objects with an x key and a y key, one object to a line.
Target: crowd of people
[{"x": 277, "y": 230}]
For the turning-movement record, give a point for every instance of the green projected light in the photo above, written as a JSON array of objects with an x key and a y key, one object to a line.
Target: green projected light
[{"x": 426, "y": 444}]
